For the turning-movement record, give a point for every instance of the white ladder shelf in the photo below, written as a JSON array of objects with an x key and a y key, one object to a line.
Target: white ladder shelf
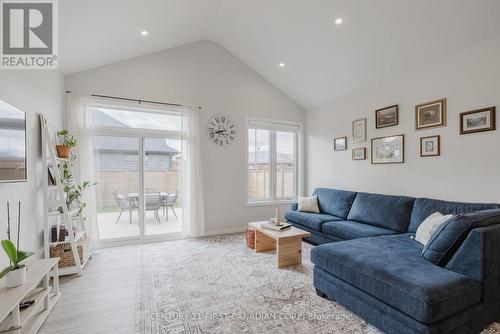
[{"x": 55, "y": 204}]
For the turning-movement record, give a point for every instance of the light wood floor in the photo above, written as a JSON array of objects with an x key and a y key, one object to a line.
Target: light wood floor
[{"x": 103, "y": 300}]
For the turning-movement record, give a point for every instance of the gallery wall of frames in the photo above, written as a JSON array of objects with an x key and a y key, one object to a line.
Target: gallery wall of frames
[{"x": 428, "y": 115}]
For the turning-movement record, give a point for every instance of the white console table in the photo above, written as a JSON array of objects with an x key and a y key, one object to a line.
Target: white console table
[{"x": 37, "y": 287}]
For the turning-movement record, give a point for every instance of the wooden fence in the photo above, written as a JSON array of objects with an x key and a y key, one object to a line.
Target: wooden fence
[
  {"x": 259, "y": 179},
  {"x": 125, "y": 182}
]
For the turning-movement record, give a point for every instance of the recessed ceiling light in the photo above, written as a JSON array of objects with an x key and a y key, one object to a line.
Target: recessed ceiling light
[
  {"x": 338, "y": 21},
  {"x": 282, "y": 64},
  {"x": 144, "y": 33}
]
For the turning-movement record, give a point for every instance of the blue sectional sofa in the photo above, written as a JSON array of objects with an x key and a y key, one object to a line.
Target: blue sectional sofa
[{"x": 379, "y": 272}]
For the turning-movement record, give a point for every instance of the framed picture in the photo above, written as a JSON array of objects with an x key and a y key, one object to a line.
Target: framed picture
[
  {"x": 388, "y": 116},
  {"x": 477, "y": 121},
  {"x": 430, "y": 146},
  {"x": 388, "y": 150},
  {"x": 359, "y": 130},
  {"x": 359, "y": 153},
  {"x": 340, "y": 144},
  {"x": 430, "y": 114}
]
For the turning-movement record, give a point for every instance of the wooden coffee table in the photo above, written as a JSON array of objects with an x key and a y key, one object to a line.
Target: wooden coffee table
[{"x": 288, "y": 243}]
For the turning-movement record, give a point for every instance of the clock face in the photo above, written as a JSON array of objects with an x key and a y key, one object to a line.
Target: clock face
[{"x": 221, "y": 130}]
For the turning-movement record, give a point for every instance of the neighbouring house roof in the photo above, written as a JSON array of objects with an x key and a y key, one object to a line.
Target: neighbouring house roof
[
  {"x": 125, "y": 144},
  {"x": 263, "y": 157},
  {"x": 103, "y": 119}
]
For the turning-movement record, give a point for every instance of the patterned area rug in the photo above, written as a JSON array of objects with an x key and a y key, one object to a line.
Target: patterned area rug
[{"x": 218, "y": 285}]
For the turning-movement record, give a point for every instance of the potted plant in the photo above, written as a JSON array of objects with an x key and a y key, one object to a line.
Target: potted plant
[
  {"x": 68, "y": 141},
  {"x": 15, "y": 273},
  {"x": 74, "y": 192}
]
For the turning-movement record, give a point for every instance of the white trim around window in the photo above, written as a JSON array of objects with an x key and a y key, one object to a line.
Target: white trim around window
[{"x": 274, "y": 125}]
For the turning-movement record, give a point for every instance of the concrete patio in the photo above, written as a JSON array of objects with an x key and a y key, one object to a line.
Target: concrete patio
[{"x": 109, "y": 229}]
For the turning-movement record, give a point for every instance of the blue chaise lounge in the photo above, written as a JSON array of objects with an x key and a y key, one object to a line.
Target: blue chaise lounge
[{"x": 381, "y": 273}]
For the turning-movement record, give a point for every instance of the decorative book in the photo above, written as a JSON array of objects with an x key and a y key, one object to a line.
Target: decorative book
[{"x": 271, "y": 226}]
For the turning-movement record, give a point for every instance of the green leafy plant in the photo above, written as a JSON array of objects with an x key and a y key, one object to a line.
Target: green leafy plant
[
  {"x": 74, "y": 192},
  {"x": 15, "y": 256},
  {"x": 13, "y": 253},
  {"x": 67, "y": 139}
]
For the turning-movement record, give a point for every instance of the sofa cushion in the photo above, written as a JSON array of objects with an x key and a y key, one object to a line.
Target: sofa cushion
[
  {"x": 429, "y": 226},
  {"x": 347, "y": 230},
  {"x": 448, "y": 238},
  {"x": 311, "y": 220},
  {"x": 391, "y": 269},
  {"x": 335, "y": 202},
  {"x": 392, "y": 212},
  {"x": 308, "y": 204},
  {"x": 424, "y": 207}
]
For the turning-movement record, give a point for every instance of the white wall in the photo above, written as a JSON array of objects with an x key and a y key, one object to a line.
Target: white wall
[
  {"x": 469, "y": 165},
  {"x": 205, "y": 74},
  {"x": 33, "y": 91}
]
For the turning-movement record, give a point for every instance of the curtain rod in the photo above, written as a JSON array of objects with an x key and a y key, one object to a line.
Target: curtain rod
[{"x": 135, "y": 100}]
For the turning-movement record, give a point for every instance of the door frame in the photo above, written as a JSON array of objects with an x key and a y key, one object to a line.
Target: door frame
[{"x": 140, "y": 135}]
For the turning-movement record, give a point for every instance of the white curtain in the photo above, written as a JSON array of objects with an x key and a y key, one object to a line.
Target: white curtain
[
  {"x": 83, "y": 169},
  {"x": 193, "y": 214}
]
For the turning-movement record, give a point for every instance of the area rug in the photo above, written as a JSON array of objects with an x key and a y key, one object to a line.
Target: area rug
[{"x": 218, "y": 285}]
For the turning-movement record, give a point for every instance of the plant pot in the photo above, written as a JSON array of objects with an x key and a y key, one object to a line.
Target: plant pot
[
  {"x": 15, "y": 277},
  {"x": 64, "y": 151}
]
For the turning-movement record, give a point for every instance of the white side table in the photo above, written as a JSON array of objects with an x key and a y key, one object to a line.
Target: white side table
[{"x": 38, "y": 287}]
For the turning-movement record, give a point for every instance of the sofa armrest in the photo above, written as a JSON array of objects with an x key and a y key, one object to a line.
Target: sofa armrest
[
  {"x": 294, "y": 206},
  {"x": 479, "y": 258}
]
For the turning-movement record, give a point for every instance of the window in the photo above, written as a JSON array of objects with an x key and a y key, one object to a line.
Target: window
[
  {"x": 110, "y": 116},
  {"x": 272, "y": 162}
]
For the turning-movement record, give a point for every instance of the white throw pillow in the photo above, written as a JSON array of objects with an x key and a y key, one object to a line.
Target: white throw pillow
[
  {"x": 429, "y": 226},
  {"x": 309, "y": 204}
]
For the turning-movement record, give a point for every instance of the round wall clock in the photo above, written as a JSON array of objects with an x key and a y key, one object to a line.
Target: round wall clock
[{"x": 221, "y": 130}]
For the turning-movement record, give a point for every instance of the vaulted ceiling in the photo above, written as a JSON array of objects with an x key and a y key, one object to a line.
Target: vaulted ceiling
[{"x": 378, "y": 38}]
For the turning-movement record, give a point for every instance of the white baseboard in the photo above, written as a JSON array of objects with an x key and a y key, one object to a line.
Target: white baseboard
[
  {"x": 239, "y": 229},
  {"x": 177, "y": 236}
]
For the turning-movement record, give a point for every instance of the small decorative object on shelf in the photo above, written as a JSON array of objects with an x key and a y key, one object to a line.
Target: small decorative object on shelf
[
  {"x": 15, "y": 273},
  {"x": 276, "y": 219},
  {"x": 62, "y": 233},
  {"x": 275, "y": 223},
  {"x": 53, "y": 233},
  {"x": 68, "y": 141}
]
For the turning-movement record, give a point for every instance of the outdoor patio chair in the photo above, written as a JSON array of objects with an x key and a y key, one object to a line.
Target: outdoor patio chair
[
  {"x": 153, "y": 203},
  {"x": 124, "y": 204},
  {"x": 169, "y": 202}
]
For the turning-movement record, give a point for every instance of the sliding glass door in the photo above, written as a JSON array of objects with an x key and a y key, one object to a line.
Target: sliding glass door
[
  {"x": 162, "y": 178},
  {"x": 136, "y": 165},
  {"x": 116, "y": 168}
]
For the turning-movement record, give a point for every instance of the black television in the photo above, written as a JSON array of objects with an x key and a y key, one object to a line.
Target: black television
[{"x": 13, "y": 165}]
